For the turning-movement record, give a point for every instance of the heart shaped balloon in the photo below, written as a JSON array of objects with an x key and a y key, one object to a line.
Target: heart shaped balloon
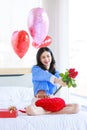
[
  {"x": 20, "y": 42},
  {"x": 46, "y": 42},
  {"x": 38, "y": 24}
]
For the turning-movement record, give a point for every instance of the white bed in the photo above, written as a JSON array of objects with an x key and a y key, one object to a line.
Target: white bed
[{"x": 21, "y": 96}]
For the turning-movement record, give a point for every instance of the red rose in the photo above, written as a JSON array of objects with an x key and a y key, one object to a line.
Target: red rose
[
  {"x": 72, "y": 73},
  {"x": 71, "y": 70}
]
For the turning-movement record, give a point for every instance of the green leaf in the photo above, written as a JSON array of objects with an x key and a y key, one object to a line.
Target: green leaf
[
  {"x": 74, "y": 85},
  {"x": 69, "y": 84},
  {"x": 61, "y": 74},
  {"x": 66, "y": 73}
]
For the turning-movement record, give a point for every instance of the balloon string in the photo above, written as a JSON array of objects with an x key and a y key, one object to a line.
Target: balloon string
[{"x": 38, "y": 3}]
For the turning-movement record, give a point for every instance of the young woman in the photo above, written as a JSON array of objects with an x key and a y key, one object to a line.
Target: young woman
[{"x": 46, "y": 79}]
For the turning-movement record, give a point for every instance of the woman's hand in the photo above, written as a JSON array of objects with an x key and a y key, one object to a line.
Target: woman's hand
[
  {"x": 59, "y": 81},
  {"x": 41, "y": 94}
]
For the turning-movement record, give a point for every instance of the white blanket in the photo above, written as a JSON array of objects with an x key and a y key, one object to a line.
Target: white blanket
[
  {"x": 21, "y": 97},
  {"x": 46, "y": 122}
]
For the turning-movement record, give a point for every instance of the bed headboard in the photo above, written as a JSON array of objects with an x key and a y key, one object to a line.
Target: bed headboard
[
  {"x": 16, "y": 77},
  {"x": 9, "y": 71}
]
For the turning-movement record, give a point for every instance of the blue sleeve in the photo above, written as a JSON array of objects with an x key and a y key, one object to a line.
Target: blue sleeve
[
  {"x": 57, "y": 74},
  {"x": 39, "y": 74}
]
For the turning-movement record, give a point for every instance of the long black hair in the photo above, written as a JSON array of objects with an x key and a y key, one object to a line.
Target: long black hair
[{"x": 52, "y": 65}]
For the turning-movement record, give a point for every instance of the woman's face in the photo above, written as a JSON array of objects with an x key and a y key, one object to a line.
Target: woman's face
[{"x": 46, "y": 59}]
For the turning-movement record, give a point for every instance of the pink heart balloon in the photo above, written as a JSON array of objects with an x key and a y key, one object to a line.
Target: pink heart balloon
[
  {"x": 38, "y": 24},
  {"x": 20, "y": 42}
]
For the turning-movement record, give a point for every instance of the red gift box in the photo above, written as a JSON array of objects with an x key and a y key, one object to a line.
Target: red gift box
[{"x": 6, "y": 113}]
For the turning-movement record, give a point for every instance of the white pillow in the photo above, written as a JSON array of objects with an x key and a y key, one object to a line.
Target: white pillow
[{"x": 15, "y": 96}]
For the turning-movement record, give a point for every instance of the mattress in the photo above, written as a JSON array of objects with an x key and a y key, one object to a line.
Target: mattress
[
  {"x": 46, "y": 122},
  {"x": 21, "y": 97}
]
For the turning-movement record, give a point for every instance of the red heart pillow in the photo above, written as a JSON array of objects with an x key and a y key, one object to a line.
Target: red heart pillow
[{"x": 51, "y": 104}]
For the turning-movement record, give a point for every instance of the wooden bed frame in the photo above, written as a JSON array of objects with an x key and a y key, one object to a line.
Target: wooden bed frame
[{"x": 9, "y": 71}]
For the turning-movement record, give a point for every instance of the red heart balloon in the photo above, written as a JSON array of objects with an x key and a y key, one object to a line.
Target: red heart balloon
[
  {"x": 46, "y": 42},
  {"x": 20, "y": 42}
]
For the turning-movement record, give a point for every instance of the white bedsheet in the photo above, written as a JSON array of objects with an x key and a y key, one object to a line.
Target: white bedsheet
[
  {"x": 21, "y": 97},
  {"x": 46, "y": 122}
]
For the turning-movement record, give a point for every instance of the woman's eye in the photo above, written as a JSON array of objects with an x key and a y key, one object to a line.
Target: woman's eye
[{"x": 48, "y": 56}]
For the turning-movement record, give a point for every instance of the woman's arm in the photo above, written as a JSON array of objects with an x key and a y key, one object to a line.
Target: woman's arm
[{"x": 39, "y": 74}]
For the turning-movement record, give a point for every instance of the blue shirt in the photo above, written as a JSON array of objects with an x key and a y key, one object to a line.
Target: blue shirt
[{"x": 42, "y": 80}]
